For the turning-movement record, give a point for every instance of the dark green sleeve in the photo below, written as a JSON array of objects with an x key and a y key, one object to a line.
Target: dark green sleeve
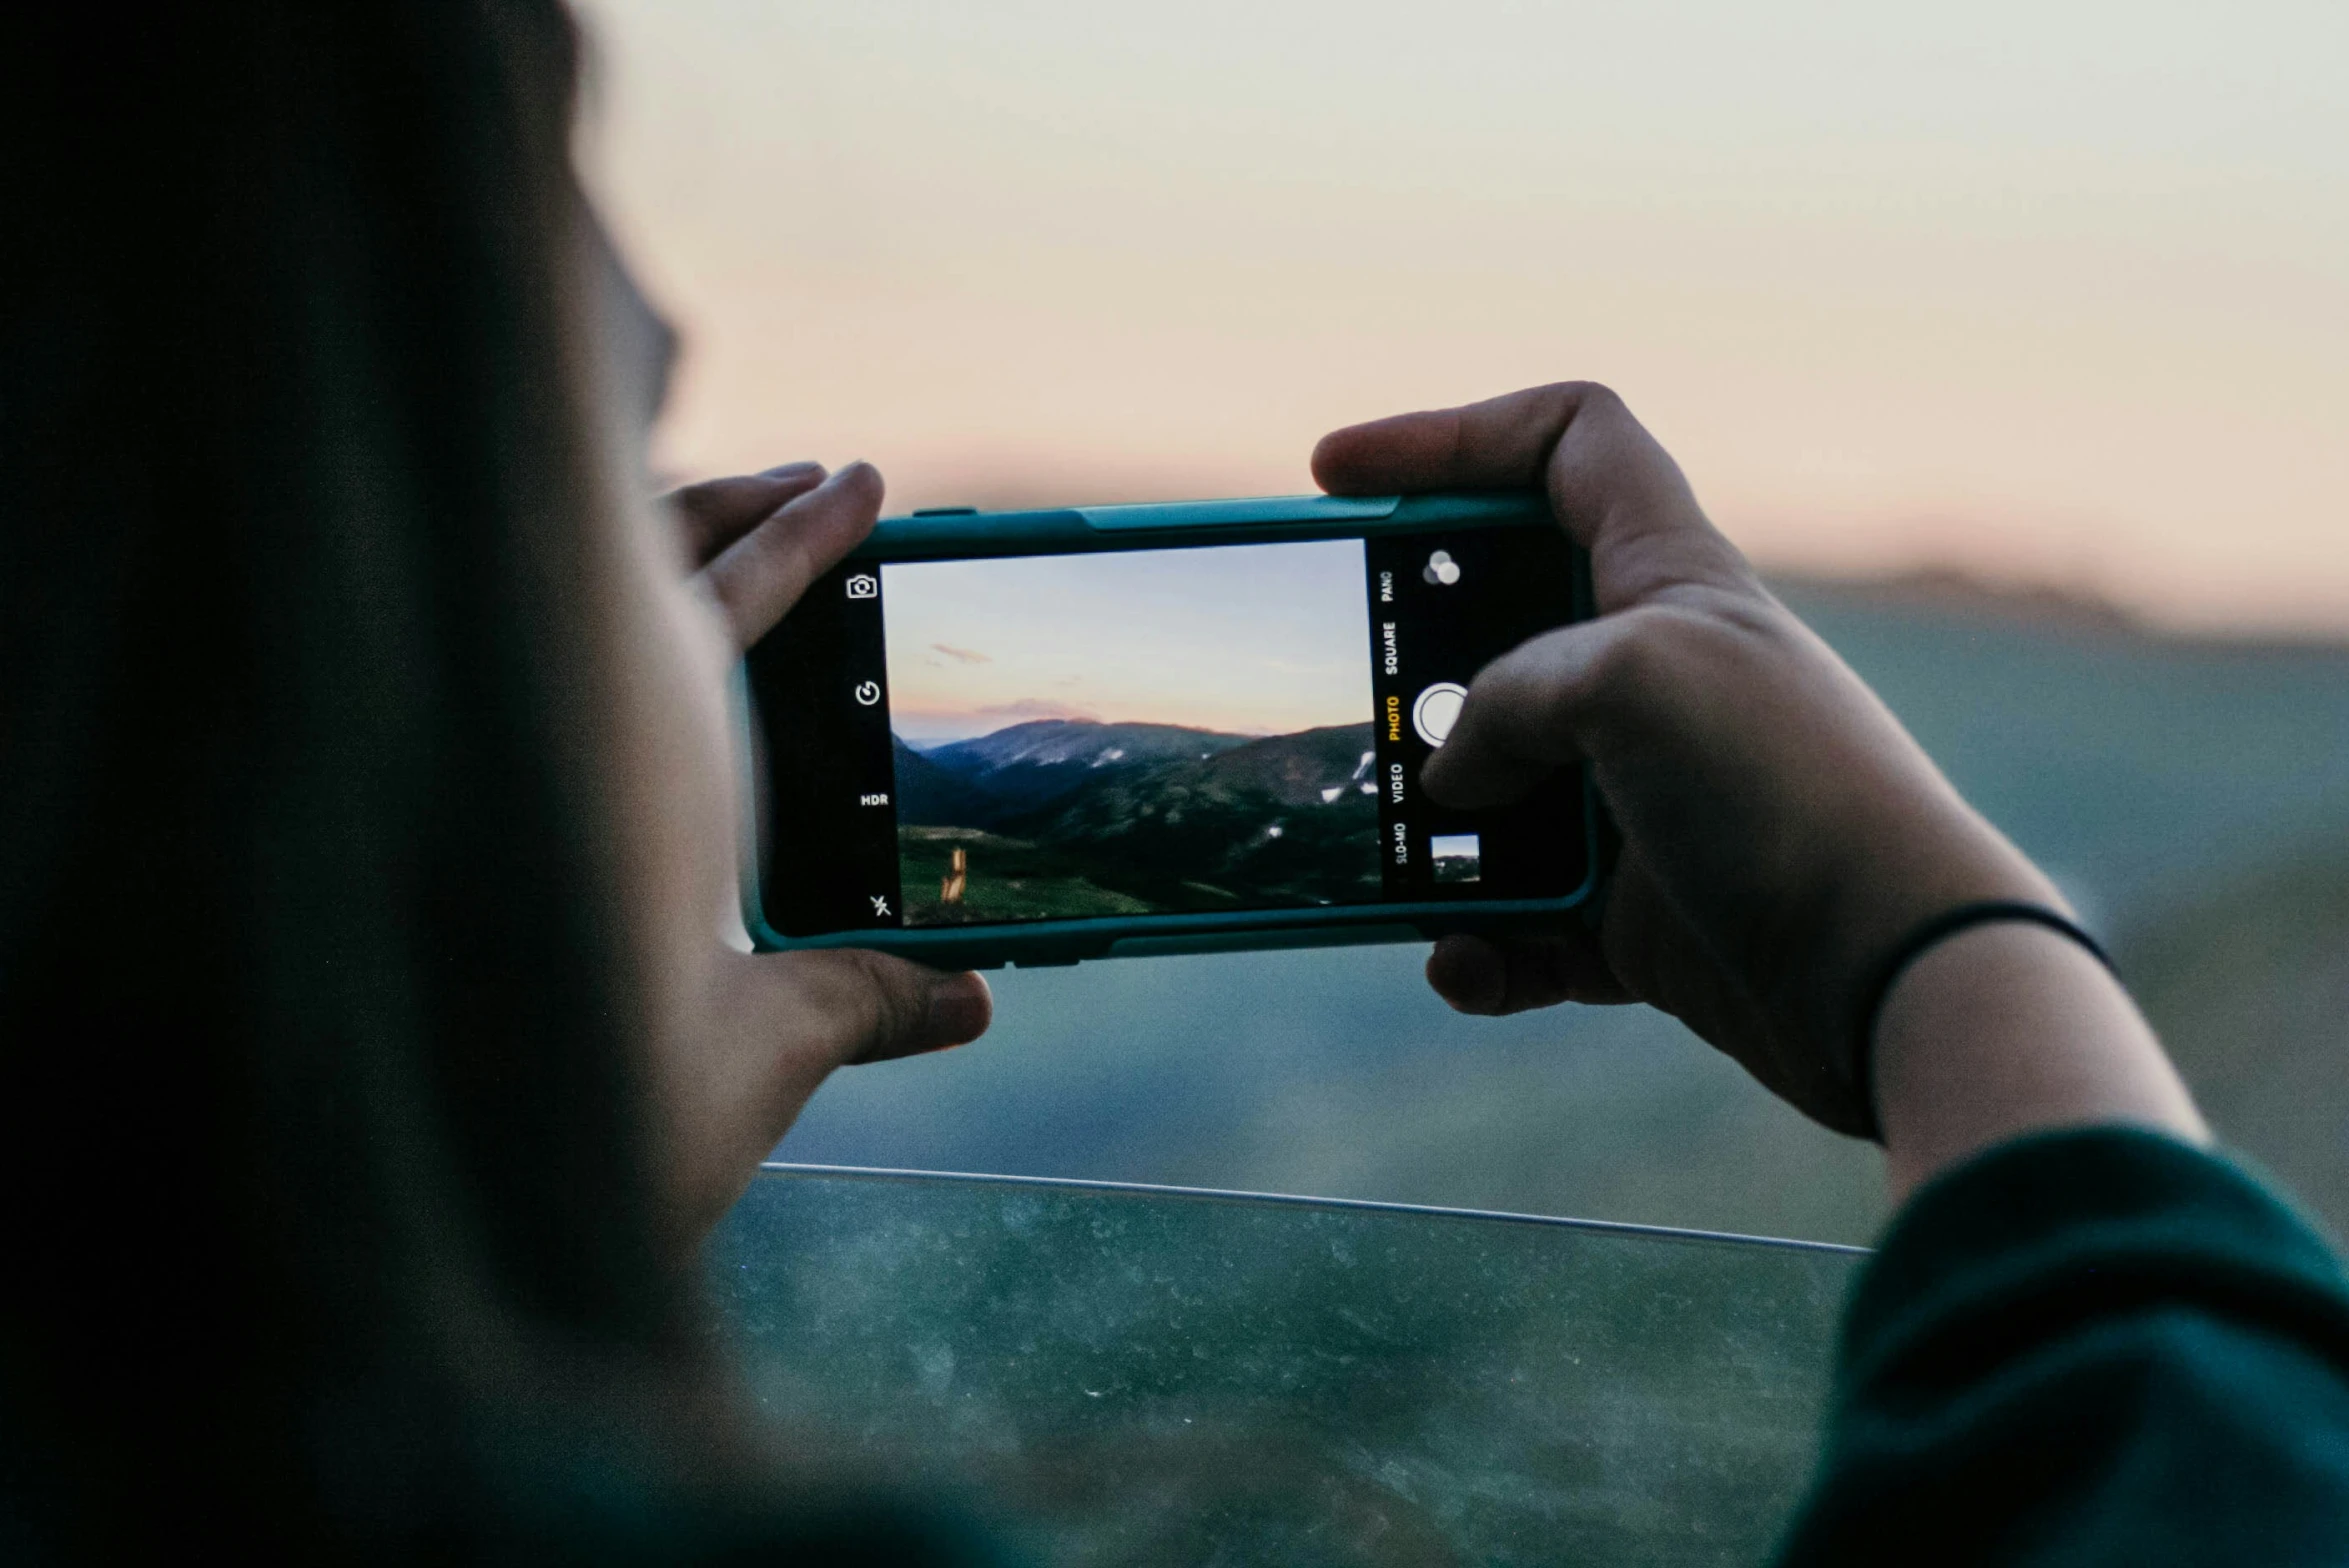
[{"x": 2087, "y": 1348}]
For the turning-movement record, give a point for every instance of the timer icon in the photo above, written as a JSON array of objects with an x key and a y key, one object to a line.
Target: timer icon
[{"x": 868, "y": 693}]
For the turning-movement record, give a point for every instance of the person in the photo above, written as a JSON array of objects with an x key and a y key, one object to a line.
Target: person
[{"x": 379, "y": 1052}]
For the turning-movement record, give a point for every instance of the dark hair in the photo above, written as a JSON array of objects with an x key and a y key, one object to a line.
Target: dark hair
[{"x": 321, "y": 1159}]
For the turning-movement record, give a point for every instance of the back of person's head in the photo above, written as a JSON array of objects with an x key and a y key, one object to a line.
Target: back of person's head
[{"x": 322, "y": 1160}]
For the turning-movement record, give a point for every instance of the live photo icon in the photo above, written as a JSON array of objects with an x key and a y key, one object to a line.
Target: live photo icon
[{"x": 863, "y": 586}]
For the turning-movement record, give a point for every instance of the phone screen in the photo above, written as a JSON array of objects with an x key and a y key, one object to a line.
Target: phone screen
[{"x": 1132, "y": 732}]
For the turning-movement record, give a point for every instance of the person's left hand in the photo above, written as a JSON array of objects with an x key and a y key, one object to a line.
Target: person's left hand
[{"x": 781, "y": 1022}]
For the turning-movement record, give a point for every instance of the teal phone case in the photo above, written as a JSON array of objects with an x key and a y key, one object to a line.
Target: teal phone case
[{"x": 961, "y": 532}]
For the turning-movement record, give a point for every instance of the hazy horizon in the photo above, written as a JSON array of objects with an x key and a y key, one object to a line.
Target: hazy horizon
[{"x": 1238, "y": 639}]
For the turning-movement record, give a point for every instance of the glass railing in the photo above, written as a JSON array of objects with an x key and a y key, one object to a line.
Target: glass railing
[{"x": 1131, "y": 1374}]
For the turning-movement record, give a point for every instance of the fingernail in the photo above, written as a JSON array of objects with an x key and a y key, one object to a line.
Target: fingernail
[
  {"x": 793, "y": 471},
  {"x": 960, "y": 1010}
]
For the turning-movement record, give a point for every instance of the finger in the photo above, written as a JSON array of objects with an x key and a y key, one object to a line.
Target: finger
[
  {"x": 1492, "y": 977},
  {"x": 1658, "y": 956},
  {"x": 848, "y": 1006},
  {"x": 762, "y": 574},
  {"x": 713, "y": 514},
  {"x": 1500, "y": 443},
  {"x": 1527, "y": 711},
  {"x": 1613, "y": 486},
  {"x": 1647, "y": 943}
]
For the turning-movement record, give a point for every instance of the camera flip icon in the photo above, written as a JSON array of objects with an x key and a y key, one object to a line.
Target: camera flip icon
[{"x": 864, "y": 585}]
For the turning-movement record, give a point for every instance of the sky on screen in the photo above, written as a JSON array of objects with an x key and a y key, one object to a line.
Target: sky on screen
[{"x": 1246, "y": 639}]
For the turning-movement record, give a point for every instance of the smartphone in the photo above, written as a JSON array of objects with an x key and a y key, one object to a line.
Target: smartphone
[{"x": 1049, "y": 736}]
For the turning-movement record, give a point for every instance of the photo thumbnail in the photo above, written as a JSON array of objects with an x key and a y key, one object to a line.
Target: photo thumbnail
[{"x": 1457, "y": 857}]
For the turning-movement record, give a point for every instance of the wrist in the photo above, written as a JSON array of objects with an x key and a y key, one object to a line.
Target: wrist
[
  {"x": 2007, "y": 1028},
  {"x": 1917, "y": 864}
]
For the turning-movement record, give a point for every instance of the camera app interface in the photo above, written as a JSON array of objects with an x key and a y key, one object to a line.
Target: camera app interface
[{"x": 1148, "y": 732}]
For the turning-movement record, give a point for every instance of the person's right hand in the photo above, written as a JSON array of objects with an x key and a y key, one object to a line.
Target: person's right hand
[{"x": 1780, "y": 830}]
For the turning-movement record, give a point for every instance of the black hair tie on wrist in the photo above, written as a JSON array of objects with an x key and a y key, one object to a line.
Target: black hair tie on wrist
[{"x": 1927, "y": 936}]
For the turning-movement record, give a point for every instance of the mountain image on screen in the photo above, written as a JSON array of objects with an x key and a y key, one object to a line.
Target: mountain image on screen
[{"x": 1068, "y": 818}]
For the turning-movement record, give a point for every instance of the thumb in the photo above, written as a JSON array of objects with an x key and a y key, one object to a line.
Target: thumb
[
  {"x": 849, "y": 1006},
  {"x": 1529, "y": 712}
]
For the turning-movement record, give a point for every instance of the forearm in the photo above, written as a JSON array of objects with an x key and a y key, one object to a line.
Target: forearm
[{"x": 2005, "y": 1029}]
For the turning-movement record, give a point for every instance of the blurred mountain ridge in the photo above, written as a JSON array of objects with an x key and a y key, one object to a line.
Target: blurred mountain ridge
[{"x": 2041, "y": 605}]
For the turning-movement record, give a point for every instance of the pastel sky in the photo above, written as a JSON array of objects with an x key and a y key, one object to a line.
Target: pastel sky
[
  {"x": 2052, "y": 290},
  {"x": 1247, "y": 639}
]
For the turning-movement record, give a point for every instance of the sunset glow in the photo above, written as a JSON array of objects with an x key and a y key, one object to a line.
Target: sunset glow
[{"x": 2052, "y": 293}]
